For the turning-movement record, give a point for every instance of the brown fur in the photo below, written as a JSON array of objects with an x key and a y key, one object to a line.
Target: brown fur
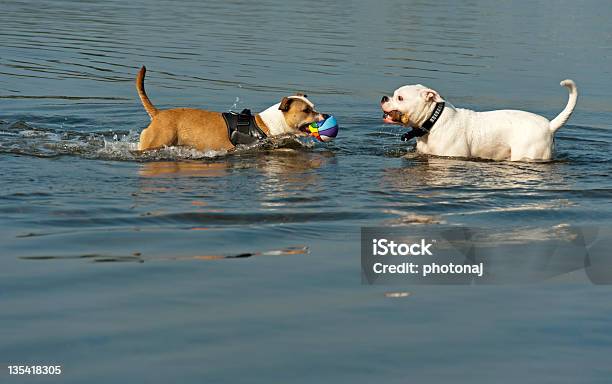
[
  {"x": 205, "y": 130},
  {"x": 195, "y": 128},
  {"x": 148, "y": 106}
]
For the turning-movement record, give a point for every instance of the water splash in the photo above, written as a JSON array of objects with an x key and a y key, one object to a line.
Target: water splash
[
  {"x": 235, "y": 105},
  {"x": 24, "y": 139}
]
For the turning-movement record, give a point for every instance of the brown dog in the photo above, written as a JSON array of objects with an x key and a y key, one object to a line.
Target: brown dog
[{"x": 206, "y": 130}]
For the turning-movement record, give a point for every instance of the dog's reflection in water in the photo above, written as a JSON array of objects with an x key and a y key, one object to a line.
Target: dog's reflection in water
[
  {"x": 285, "y": 162},
  {"x": 271, "y": 178},
  {"x": 183, "y": 168}
]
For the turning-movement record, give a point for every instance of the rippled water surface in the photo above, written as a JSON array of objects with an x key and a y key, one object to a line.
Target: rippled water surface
[{"x": 213, "y": 267}]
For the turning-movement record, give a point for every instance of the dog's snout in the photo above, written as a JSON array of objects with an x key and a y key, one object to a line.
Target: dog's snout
[{"x": 384, "y": 99}]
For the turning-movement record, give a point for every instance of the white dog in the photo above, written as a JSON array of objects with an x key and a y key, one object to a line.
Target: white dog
[{"x": 444, "y": 130}]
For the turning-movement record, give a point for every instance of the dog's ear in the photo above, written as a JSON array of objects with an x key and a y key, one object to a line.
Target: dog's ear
[
  {"x": 431, "y": 95},
  {"x": 284, "y": 104},
  {"x": 301, "y": 94}
]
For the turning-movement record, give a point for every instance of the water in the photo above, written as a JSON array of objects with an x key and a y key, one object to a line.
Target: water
[{"x": 208, "y": 267}]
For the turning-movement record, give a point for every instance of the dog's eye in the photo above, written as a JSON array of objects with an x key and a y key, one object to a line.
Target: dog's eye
[
  {"x": 307, "y": 110},
  {"x": 400, "y": 98}
]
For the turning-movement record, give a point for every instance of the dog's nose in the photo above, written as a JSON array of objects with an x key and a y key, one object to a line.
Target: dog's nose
[{"x": 384, "y": 99}]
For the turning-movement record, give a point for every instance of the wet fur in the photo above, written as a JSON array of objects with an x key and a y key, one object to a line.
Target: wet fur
[{"x": 206, "y": 130}]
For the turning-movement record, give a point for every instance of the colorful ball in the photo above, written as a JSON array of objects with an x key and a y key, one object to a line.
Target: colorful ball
[{"x": 325, "y": 130}]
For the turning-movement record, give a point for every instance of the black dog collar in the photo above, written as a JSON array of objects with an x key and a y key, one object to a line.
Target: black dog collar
[
  {"x": 435, "y": 115},
  {"x": 414, "y": 132},
  {"x": 427, "y": 125}
]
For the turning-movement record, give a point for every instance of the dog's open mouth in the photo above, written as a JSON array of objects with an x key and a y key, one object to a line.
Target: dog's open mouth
[
  {"x": 392, "y": 117},
  {"x": 304, "y": 128}
]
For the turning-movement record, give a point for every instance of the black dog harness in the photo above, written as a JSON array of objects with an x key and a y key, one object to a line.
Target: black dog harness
[
  {"x": 242, "y": 127},
  {"x": 427, "y": 125}
]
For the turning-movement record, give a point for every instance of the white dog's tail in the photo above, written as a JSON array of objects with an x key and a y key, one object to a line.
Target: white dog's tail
[{"x": 558, "y": 121}]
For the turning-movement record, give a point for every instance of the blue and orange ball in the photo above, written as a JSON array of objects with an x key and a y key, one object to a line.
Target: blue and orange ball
[{"x": 325, "y": 130}]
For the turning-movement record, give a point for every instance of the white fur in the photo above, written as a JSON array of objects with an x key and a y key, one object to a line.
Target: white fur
[
  {"x": 497, "y": 135},
  {"x": 275, "y": 120}
]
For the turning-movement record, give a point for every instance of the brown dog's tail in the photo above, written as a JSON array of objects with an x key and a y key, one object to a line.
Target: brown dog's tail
[{"x": 146, "y": 103}]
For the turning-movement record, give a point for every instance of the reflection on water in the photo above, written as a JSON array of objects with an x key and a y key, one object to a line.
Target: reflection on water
[
  {"x": 278, "y": 178},
  {"x": 281, "y": 165},
  {"x": 428, "y": 172},
  {"x": 453, "y": 187},
  {"x": 183, "y": 169}
]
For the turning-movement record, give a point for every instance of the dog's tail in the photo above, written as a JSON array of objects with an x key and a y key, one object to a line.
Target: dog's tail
[
  {"x": 558, "y": 121},
  {"x": 146, "y": 103}
]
